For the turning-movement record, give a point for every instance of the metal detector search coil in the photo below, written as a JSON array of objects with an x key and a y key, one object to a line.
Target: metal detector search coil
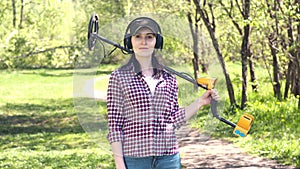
[{"x": 243, "y": 126}]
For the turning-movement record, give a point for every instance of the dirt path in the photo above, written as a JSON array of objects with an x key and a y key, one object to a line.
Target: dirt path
[{"x": 199, "y": 153}]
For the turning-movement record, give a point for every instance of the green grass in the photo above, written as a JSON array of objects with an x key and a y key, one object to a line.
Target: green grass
[
  {"x": 275, "y": 132},
  {"x": 40, "y": 126}
]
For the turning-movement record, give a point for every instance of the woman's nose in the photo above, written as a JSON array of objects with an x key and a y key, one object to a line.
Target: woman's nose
[{"x": 144, "y": 40}]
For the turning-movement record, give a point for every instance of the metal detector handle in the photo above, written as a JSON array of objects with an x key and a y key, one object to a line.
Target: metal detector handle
[{"x": 213, "y": 106}]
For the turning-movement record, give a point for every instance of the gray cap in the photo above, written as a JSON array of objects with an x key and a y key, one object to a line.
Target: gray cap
[{"x": 143, "y": 22}]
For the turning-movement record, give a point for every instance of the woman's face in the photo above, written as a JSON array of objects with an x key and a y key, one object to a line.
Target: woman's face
[{"x": 143, "y": 42}]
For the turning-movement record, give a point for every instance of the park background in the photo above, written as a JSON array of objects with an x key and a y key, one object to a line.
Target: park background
[{"x": 41, "y": 42}]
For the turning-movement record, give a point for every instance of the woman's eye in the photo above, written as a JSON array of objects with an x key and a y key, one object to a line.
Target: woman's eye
[{"x": 150, "y": 36}]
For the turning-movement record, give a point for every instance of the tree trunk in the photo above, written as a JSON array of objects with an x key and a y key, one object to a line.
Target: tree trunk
[
  {"x": 273, "y": 43},
  {"x": 129, "y": 4},
  {"x": 292, "y": 54},
  {"x": 14, "y": 13},
  {"x": 288, "y": 80},
  {"x": 276, "y": 82},
  {"x": 298, "y": 62},
  {"x": 21, "y": 13},
  {"x": 204, "y": 53},
  {"x": 252, "y": 70},
  {"x": 244, "y": 69},
  {"x": 245, "y": 53},
  {"x": 194, "y": 32}
]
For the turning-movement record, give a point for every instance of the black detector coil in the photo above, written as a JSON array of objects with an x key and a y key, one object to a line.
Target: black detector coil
[{"x": 93, "y": 31}]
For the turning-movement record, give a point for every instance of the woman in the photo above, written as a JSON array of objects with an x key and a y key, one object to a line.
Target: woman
[{"x": 142, "y": 104}]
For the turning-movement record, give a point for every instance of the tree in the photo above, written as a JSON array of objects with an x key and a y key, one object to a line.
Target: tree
[
  {"x": 230, "y": 12},
  {"x": 209, "y": 22},
  {"x": 194, "y": 31},
  {"x": 245, "y": 50},
  {"x": 14, "y": 12},
  {"x": 273, "y": 39},
  {"x": 289, "y": 9}
]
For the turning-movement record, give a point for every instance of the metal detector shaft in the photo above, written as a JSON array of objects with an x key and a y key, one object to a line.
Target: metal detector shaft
[
  {"x": 94, "y": 35},
  {"x": 216, "y": 115},
  {"x": 172, "y": 71},
  {"x": 214, "y": 103},
  {"x": 185, "y": 76}
]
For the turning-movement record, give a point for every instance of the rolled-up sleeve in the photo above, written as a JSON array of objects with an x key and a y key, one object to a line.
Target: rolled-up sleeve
[{"x": 115, "y": 109}]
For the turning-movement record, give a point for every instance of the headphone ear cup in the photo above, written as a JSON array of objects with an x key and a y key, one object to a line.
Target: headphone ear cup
[
  {"x": 159, "y": 42},
  {"x": 127, "y": 41}
]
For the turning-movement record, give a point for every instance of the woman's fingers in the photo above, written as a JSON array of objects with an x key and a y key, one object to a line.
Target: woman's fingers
[{"x": 214, "y": 94}]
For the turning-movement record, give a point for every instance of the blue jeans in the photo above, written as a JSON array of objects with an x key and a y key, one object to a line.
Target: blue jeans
[{"x": 153, "y": 162}]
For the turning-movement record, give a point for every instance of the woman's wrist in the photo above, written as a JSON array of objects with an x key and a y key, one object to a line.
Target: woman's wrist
[
  {"x": 119, "y": 161},
  {"x": 200, "y": 102}
]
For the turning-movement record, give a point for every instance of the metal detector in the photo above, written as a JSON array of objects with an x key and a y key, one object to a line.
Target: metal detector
[{"x": 240, "y": 129}]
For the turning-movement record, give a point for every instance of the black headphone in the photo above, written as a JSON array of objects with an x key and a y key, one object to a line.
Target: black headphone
[{"x": 159, "y": 37}]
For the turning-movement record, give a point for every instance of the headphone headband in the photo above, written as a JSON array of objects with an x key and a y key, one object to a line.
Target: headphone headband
[{"x": 144, "y": 22}]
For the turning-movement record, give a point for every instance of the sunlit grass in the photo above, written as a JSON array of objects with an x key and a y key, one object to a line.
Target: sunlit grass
[
  {"x": 38, "y": 125},
  {"x": 275, "y": 132}
]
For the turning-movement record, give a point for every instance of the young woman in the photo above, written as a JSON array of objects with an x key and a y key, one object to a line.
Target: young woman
[{"x": 142, "y": 104}]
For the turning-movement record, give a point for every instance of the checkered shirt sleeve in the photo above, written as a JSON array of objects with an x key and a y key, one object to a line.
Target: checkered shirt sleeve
[
  {"x": 178, "y": 114},
  {"x": 115, "y": 109}
]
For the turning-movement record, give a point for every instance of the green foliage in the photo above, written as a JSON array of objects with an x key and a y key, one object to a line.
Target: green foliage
[
  {"x": 47, "y": 24},
  {"x": 43, "y": 27},
  {"x": 274, "y": 133},
  {"x": 50, "y": 24}
]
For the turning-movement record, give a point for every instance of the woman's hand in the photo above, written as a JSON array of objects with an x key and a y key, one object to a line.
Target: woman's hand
[
  {"x": 205, "y": 99},
  {"x": 118, "y": 155}
]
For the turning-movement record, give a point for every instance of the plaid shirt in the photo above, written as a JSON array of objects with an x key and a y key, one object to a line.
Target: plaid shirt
[{"x": 143, "y": 122}]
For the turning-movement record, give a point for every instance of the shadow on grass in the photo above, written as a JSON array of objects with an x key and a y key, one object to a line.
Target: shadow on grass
[
  {"x": 66, "y": 72},
  {"x": 48, "y": 115}
]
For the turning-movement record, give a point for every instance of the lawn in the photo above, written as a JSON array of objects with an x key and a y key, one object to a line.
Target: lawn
[
  {"x": 42, "y": 125},
  {"x": 38, "y": 125}
]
